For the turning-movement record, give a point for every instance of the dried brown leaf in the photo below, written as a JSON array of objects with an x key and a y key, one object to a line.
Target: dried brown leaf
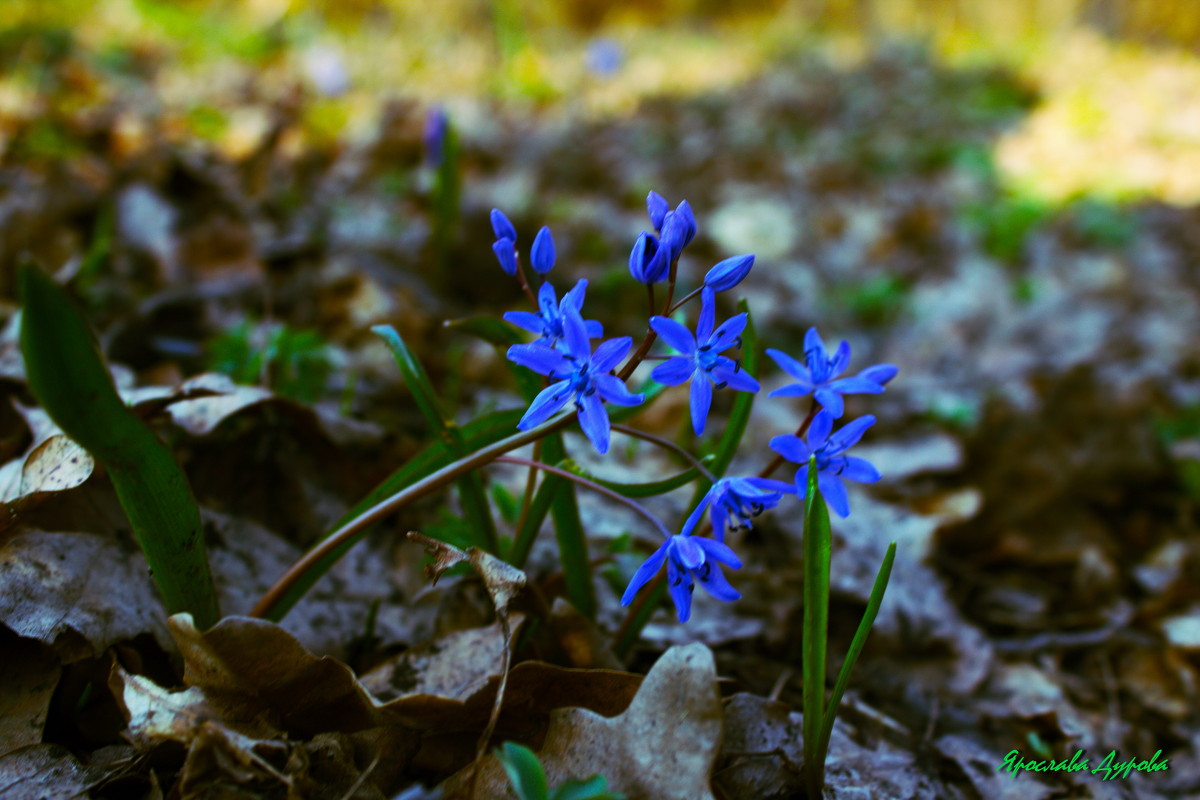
[
  {"x": 503, "y": 581},
  {"x": 29, "y": 673},
  {"x": 663, "y": 746}
]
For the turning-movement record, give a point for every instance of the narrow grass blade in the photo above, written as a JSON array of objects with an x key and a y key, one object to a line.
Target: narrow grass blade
[
  {"x": 67, "y": 376},
  {"x": 856, "y": 646},
  {"x": 471, "y": 490},
  {"x": 817, "y": 547}
]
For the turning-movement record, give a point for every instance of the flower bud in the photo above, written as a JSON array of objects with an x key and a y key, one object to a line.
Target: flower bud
[
  {"x": 502, "y": 226},
  {"x": 541, "y": 255},
  {"x": 728, "y": 273},
  {"x": 506, "y": 254},
  {"x": 647, "y": 262}
]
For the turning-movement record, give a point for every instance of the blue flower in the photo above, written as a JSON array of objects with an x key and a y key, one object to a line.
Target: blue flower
[
  {"x": 832, "y": 465},
  {"x": 648, "y": 261},
  {"x": 729, "y": 273},
  {"x": 505, "y": 246},
  {"x": 604, "y": 57},
  {"x": 701, "y": 353},
  {"x": 687, "y": 557},
  {"x": 541, "y": 255},
  {"x": 578, "y": 374},
  {"x": 548, "y": 322},
  {"x": 820, "y": 376},
  {"x": 735, "y": 501}
]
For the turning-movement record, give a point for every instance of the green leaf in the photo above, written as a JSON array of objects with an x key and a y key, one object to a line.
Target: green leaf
[
  {"x": 568, "y": 530},
  {"x": 470, "y": 486},
  {"x": 593, "y": 788},
  {"x": 67, "y": 375},
  {"x": 524, "y": 771},
  {"x": 856, "y": 646},
  {"x": 817, "y": 548},
  {"x": 492, "y": 330},
  {"x": 636, "y": 490}
]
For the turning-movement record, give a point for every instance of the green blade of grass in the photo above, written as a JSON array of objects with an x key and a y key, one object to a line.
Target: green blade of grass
[
  {"x": 568, "y": 530},
  {"x": 66, "y": 374},
  {"x": 471, "y": 490},
  {"x": 817, "y": 547},
  {"x": 856, "y": 646}
]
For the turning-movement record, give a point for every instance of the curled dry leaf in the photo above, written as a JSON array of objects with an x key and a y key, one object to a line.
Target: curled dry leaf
[
  {"x": 503, "y": 581},
  {"x": 663, "y": 746},
  {"x": 156, "y": 715}
]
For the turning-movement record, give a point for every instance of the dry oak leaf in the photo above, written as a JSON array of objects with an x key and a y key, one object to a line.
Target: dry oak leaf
[{"x": 662, "y": 748}]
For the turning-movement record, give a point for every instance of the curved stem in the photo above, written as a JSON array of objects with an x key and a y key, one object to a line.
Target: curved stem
[
  {"x": 525, "y": 282},
  {"x": 595, "y": 487},
  {"x": 400, "y": 499},
  {"x": 667, "y": 445},
  {"x": 648, "y": 340},
  {"x": 685, "y": 298}
]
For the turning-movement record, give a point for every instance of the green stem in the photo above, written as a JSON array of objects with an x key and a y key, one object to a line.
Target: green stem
[{"x": 667, "y": 445}]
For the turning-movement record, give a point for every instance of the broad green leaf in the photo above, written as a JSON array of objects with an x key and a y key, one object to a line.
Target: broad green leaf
[
  {"x": 593, "y": 788},
  {"x": 524, "y": 771},
  {"x": 817, "y": 547},
  {"x": 67, "y": 375}
]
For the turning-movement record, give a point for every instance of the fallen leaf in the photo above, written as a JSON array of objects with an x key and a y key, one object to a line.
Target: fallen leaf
[
  {"x": 503, "y": 581},
  {"x": 663, "y": 746},
  {"x": 44, "y": 772},
  {"x": 29, "y": 674}
]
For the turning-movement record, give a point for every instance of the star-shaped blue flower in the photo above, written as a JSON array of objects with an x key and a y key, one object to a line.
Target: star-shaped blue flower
[
  {"x": 702, "y": 354},
  {"x": 578, "y": 374},
  {"x": 548, "y": 322},
  {"x": 735, "y": 501},
  {"x": 819, "y": 375},
  {"x": 689, "y": 559},
  {"x": 832, "y": 465}
]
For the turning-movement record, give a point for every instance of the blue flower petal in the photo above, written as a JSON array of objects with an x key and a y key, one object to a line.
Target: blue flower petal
[
  {"x": 840, "y": 361},
  {"x": 612, "y": 389},
  {"x": 718, "y": 551},
  {"x": 734, "y": 378},
  {"x": 793, "y": 390},
  {"x": 541, "y": 359},
  {"x": 701, "y": 402},
  {"x": 593, "y": 419},
  {"x": 575, "y": 336},
  {"x": 541, "y": 255},
  {"x": 575, "y": 297},
  {"x": 674, "y": 371},
  {"x": 770, "y": 485},
  {"x": 791, "y": 366},
  {"x": 818, "y": 432},
  {"x": 791, "y": 447},
  {"x": 831, "y": 401},
  {"x": 690, "y": 554},
  {"x": 526, "y": 320},
  {"x": 506, "y": 254},
  {"x": 657, "y": 206},
  {"x": 697, "y": 514},
  {"x": 502, "y": 227},
  {"x": 834, "y": 492},
  {"x": 677, "y": 337},
  {"x": 860, "y": 470},
  {"x": 856, "y": 385},
  {"x": 880, "y": 373},
  {"x": 545, "y": 405},
  {"x": 715, "y": 583},
  {"x": 729, "y": 273},
  {"x": 725, "y": 336},
  {"x": 679, "y": 584},
  {"x": 594, "y": 329},
  {"x": 848, "y": 435},
  {"x": 609, "y": 354},
  {"x": 645, "y": 572},
  {"x": 708, "y": 316}
]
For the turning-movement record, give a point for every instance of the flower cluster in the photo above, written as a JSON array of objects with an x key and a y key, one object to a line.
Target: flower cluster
[{"x": 576, "y": 373}]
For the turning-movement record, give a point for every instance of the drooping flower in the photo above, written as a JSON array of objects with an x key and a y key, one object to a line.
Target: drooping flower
[
  {"x": 832, "y": 464},
  {"x": 689, "y": 559},
  {"x": 578, "y": 374},
  {"x": 819, "y": 376},
  {"x": 541, "y": 255},
  {"x": 648, "y": 262},
  {"x": 729, "y": 273},
  {"x": 735, "y": 502},
  {"x": 701, "y": 360}
]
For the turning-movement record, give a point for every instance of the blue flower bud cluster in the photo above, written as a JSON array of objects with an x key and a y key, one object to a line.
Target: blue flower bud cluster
[{"x": 587, "y": 378}]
